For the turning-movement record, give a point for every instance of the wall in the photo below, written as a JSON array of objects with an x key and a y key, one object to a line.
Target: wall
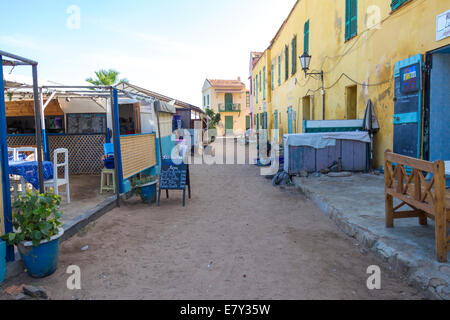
[
  {"x": 2, "y": 214},
  {"x": 25, "y": 108},
  {"x": 367, "y": 58}
]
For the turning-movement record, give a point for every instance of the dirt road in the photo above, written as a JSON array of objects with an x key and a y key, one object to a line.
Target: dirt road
[{"x": 238, "y": 238}]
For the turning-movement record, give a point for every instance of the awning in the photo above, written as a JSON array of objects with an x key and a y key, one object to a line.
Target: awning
[{"x": 167, "y": 107}]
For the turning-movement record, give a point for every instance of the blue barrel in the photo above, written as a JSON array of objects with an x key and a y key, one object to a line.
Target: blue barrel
[
  {"x": 2, "y": 261},
  {"x": 148, "y": 192}
]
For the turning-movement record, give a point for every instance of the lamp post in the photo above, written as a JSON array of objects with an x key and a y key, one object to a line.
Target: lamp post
[{"x": 305, "y": 60}]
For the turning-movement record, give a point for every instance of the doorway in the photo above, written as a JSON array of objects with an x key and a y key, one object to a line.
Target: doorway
[
  {"x": 306, "y": 108},
  {"x": 229, "y": 123},
  {"x": 437, "y": 106}
]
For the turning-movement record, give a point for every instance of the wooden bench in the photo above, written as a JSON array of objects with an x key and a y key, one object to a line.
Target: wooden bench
[{"x": 427, "y": 199}]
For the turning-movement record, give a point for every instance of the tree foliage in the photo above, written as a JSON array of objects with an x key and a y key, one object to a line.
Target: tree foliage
[
  {"x": 215, "y": 118},
  {"x": 106, "y": 78}
]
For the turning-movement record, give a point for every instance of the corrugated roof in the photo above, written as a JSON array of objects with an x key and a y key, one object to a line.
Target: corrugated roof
[{"x": 162, "y": 97}]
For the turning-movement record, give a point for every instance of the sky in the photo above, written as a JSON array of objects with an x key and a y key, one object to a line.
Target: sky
[{"x": 167, "y": 46}]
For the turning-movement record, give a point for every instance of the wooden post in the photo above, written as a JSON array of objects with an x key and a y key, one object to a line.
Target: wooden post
[
  {"x": 440, "y": 211},
  {"x": 388, "y": 198},
  {"x": 423, "y": 219}
]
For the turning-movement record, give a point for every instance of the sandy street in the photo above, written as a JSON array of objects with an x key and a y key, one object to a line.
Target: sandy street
[{"x": 237, "y": 238}]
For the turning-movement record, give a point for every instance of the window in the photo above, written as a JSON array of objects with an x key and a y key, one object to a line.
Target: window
[
  {"x": 264, "y": 83},
  {"x": 352, "y": 102},
  {"x": 204, "y": 101},
  {"x": 279, "y": 70},
  {"x": 272, "y": 76},
  {"x": 351, "y": 19},
  {"x": 294, "y": 55},
  {"x": 286, "y": 63},
  {"x": 397, "y": 3},
  {"x": 306, "y": 37},
  {"x": 208, "y": 99}
]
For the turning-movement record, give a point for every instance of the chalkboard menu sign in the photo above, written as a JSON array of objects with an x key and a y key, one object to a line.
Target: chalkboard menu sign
[
  {"x": 173, "y": 176},
  {"x": 86, "y": 123}
]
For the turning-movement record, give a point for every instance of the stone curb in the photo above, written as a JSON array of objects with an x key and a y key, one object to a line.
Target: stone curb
[{"x": 399, "y": 262}]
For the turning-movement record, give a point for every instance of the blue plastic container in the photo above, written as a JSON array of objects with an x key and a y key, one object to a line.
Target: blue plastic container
[
  {"x": 148, "y": 192},
  {"x": 41, "y": 261},
  {"x": 2, "y": 261},
  {"x": 109, "y": 162}
]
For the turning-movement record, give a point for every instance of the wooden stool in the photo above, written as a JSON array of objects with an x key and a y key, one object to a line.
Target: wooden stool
[{"x": 108, "y": 173}]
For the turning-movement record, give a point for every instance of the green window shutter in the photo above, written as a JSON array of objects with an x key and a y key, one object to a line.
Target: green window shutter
[
  {"x": 208, "y": 99},
  {"x": 260, "y": 80},
  {"x": 204, "y": 104},
  {"x": 264, "y": 83},
  {"x": 306, "y": 38},
  {"x": 294, "y": 55},
  {"x": 272, "y": 76},
  {"x": 351, "y": 18},
  {"x": 256, "y": 89},
  {"x": 286, "y": 63},
  {"x": 279, "y": 70},
  {"x": 397, "y": 3}
]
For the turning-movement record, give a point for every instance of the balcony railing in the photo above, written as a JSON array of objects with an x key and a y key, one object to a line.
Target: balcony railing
[{"x": 229, "y": 107}]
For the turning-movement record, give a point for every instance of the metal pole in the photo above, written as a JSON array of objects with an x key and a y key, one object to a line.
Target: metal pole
[
  {"x": 7, "y": 214},
  {"x": 116, "y": 146},
  {"x": 37, "y": 114},
  {"x": 157, "y": 108}
]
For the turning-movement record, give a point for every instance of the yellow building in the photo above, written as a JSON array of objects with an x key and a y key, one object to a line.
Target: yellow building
[
  {"x": 231, "y": 99},
  {"x": 365, "y": 49}
]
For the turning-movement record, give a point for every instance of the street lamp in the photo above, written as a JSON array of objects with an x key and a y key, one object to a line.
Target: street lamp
[{"x": 305, "y": 60}]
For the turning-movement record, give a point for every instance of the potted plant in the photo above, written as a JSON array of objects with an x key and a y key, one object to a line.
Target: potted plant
[
  {"x": 37, "y": 230},
  {"x": 145, "y": 188}
]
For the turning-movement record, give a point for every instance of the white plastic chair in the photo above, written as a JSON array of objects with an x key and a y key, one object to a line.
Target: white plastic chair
[
  {"x": 56, "y": 182},
  {"x": 14, "y": 181},
  {"x": 14, "y": 153}
]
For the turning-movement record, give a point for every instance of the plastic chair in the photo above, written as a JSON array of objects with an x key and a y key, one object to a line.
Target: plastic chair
[
  {"x": 14, "y": 153},
  {"x": 56, "y": 182},
  {"x": 109, "y": 149}
]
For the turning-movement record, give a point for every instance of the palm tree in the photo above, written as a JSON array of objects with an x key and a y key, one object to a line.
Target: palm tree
[{"x": 106, "y": 78}]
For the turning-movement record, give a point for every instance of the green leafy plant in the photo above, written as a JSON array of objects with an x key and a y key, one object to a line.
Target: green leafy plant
[
  {"x": 36, "y": 217},
  {"x": 215, "y": 118},
  {"x": 137, "y": 183}
]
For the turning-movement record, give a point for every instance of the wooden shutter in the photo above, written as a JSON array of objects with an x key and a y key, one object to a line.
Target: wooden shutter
[
  {"x": 279, "y": 70},
  {"x": 306, "y": 37},
  {"x": 397, "y": 3},
  {"x": 351, "y": 18},
  {"x": 294, "y": 55},
  {"x": 272, "y": 76},
  {"x": 286, "y": 63},
  {"x": 264, "y": 83}
]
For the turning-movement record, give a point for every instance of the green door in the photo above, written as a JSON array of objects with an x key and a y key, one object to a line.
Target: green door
[
  {"x": 247, "y": 122},
  {"x": 228, "y": 102},
  {"x": 229, "y": 123}
]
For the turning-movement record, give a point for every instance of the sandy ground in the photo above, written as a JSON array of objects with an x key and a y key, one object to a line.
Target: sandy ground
[{"x": 237, "y": 238}]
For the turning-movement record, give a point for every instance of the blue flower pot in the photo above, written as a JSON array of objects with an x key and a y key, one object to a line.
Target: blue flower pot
[
  {"x": 41, "y": 261},
  {"x": 148, "y": 192},
  {"x": 2, "y": 261}
]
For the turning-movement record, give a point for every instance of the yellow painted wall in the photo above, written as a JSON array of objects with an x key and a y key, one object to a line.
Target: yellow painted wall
[{"x": 367, "y": 58}]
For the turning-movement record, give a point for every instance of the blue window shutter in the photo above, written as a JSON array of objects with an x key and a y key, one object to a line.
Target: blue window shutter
[
  {"x": 286, "y": 63},
  {"x": 264, "y": 83},
  {"x": 294, "y": 55},
  {"x": 279, "y": 70},
  {"x": 397, "y": 3},
  {"x": 260, "y": 80},
  {"x": 272, "y": 76}
]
